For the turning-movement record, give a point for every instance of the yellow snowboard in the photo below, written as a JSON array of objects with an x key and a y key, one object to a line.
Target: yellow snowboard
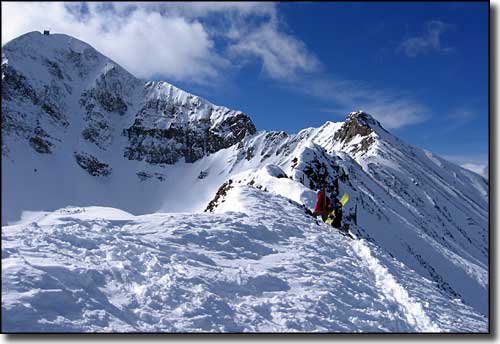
[{"x": 343, "y": 201}]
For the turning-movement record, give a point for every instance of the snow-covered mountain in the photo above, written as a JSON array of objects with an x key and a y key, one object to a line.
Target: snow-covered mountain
[
  {"x": 220, "y": 238},
  {"x": 75, "y": 121}
]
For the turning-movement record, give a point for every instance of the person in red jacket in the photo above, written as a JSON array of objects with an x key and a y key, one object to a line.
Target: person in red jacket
[{"x": 324, "y": 204}]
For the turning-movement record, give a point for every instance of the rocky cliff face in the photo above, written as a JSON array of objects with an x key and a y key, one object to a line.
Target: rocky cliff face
[
  {"x": 77, "y": 91},
  {"x": 172, "y": 124},
  {"x": 358, "y": 126}
]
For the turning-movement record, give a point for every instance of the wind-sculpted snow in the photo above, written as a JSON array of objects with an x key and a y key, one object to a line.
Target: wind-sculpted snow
[{"x": 269, "y": 267}]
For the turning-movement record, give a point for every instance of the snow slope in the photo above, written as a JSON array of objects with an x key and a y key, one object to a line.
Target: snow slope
[
  {"x": 76, "y": 122},
  {"x": 79, "y": 131},
  {"x": 241, "y": 269},
  {"x": 428, "y": 213}
]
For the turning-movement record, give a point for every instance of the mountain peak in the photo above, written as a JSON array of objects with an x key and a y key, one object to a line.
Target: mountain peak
[
  {"x": 364, "y": 119},
  {"x": 358, "y": 133},
  {"x": 39, "y": 58},
  {"x": 44, "y": 43},
  {"x": 357, "y": 123},
  {"x": 58, "y": 80}
]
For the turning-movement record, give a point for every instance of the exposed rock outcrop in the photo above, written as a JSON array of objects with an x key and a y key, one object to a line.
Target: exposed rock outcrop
[
  {"x": 92, "y": 165},
  {"x": 219, "y": 196},
  {"x": 358, "y": 124}
]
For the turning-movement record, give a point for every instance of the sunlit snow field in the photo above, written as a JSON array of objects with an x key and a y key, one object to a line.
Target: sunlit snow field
[{"x": 267, "y": 267}]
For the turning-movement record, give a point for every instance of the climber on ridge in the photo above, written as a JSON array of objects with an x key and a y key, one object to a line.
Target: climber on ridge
[
  {"x": 328, "y": 207},
  {"x": 323, "y": 204}
]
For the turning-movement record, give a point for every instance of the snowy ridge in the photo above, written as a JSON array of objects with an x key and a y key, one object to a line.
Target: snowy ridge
[
  {"x": 399, "y": 198},
  {"x": 202, "y": 222},
  {"x": 230, "y": 272},
  {"x": 202, "y": 109}
]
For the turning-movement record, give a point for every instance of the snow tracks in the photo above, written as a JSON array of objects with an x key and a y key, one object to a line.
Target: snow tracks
[{"x": 393, "y": 291}]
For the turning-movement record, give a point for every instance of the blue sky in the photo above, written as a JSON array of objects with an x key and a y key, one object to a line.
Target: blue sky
[{"x": 421, "y": 68}]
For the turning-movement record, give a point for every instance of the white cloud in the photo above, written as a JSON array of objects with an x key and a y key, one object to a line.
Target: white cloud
[
  {"x": 394, "y": 109},
  {"x": 481, "y": 169},
  {"x": 203, "y": 9},
  {"x": 174, "y": 40},
  {"x": 201, "y": 42},
  {"x": 282, "y": 56},
  {"x": 144, "y": 42},
  {"x": 429, "y": 40},
  {"x": 474, "y": 163}
]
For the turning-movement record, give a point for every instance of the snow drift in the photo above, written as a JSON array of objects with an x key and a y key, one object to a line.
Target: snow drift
[{"x": 100, "y": 269}]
